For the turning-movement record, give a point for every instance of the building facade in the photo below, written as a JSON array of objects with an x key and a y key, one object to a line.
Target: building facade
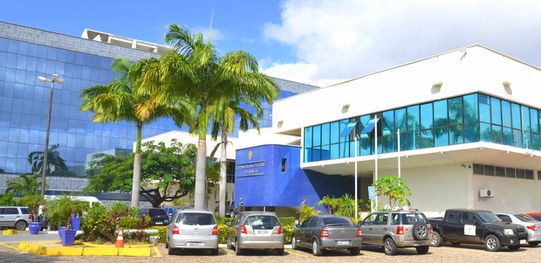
[
  {"x": 26, "y": 53},
  {"x": 461, "y": 128}
]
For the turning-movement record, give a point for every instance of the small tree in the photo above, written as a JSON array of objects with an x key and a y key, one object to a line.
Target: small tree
[
  {"x": 307, "y": 211},
  {"x": 60, "y": 210},
  {"x": 343, "y": 206},
  {"x": 394, "y": 188}
]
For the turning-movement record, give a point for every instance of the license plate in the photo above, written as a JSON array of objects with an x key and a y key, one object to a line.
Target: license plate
[
  {"x": 523, "y": 241},
  {"x": 342, "y": 243},
  {"x": 263, "y": 232},
  {"x": 159, "y": 223},
  {"x": 194, "y": 244}
]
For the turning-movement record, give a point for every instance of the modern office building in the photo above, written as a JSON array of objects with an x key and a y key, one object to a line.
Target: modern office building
[
  {"x": 27, "y": 53},
  {"x": 461, "y": 128}
]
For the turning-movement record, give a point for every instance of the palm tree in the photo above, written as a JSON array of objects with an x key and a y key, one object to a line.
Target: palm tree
[
  {"x": 24, "y": 185},
  {"x": 197, "y": 73},
  {"x": 120, "y": 101},
  {"x": 225, "y": 111},
  {"x": 56, "y": 165}
]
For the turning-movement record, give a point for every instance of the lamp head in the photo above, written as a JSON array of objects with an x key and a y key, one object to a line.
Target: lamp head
[{"x": 42, "y": 78}]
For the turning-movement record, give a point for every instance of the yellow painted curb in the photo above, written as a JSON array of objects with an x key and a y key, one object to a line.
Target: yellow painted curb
[
  {"x": 9, "y": 232},
  {"x": 63, "y": 251},
  {"x": 125, "y": 246},
  {"x": 136, "y": 252},
  {"x": 100, "y": 251},
  {"x": 31, "y": 248}
]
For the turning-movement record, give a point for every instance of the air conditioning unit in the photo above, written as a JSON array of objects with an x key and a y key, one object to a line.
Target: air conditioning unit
[{"x": 486, "y": 193}]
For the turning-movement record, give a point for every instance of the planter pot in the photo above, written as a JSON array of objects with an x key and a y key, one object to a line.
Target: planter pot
[
  {"x": 76, "y": 223},
  {"x": 67, "y": 236},
  {"x": 34, "y": 228}
]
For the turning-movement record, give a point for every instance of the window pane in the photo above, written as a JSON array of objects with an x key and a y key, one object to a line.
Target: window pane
[
  {"x": 534, "y": 120},
  {"x": 497, "y": 134},
  {"x": 335, "y": 132},
  {"x": 400, "y": 118},
  {"x": 427, "y": 139},
  {"x": 496, "y": 111},
  {"x": 316, "y": 141},
  {"x": 426, "y": 116},
  {"x": 525, "y": 118},
  {"x": 515, "y": 114},
  {"x": 506, "y": 113},
  {"x": 507, "y": 136},
  {"x": 440, "y": 113},
  {"x": 442, "y": 136},
  {"x": 413, "y": 118},
  {"x": 471, "y": 133},
  {"x": 325, "y": 134},
  {"x": 485, "y": 132},
  {"x": 308, "y": 137},
  {"x": 455, "y": 111},
  {"x": 455, "y": 133}
]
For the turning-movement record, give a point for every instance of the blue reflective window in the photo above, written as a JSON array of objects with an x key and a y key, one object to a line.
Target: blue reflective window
[
  {"x": 515, "y": 113},
  {"x": 507, "y": 136},
  {"x": 401, "y": 119},
  {"x": 427, "y": 117},
  {"x": 11, "y": 60},
  {"x": 524, "y": 112},
  {"x": 497, "y": 136},
  {"x": 441, "y": 135},
  {"x": 455, "y": 111},
  {"x": 517, "y": 138},
  {"x": 427, "y": 139},
  {"x": 506, "y": 113},
  {"x": 335, "y": 132},
  {"x": 21, "y": 62},
  {"x": 486, "y": 132},
  {"x": 413, "y": 118},
  {"x": 484, "y": 108},
  {"x": 308, "y": 136},
  {"x": 534, "y": 118},
  {"x": 535, "y": 144},
  {"x": 440, "y": 113}
]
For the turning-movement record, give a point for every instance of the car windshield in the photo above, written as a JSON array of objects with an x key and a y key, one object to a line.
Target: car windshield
[
  {"x": 526, "y": 218},
  {"x": 488, "y": 217},
  {"x": 262, "y": 221},
  {"x": 337, "y": 221},
  {"x": 202, "y": 219}
]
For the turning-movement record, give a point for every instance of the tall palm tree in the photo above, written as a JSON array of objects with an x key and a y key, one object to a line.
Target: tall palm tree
[
  {"x": 196, "y": 71},
  {"x": 225, "y": 111},
  {"x": 120, "y": 101}
]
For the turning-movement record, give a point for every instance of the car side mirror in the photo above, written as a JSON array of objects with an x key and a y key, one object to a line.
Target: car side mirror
[{"x": 228, "y": 223}]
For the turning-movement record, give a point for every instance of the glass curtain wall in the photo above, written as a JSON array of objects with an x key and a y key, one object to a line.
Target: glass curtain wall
[{"x": 465, "y": 119}]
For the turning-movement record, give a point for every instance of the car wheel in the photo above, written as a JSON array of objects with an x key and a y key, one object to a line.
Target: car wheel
[
  {"x": 533, "y": 244},
  {"x": 435, "y": 241},
  {"x": 514, "y": 248},
  {"x": 20, "y": 225},
  {"x": 316, "y": 250},
  {"x": 355, "y": 251},
  {"x": 280, "y": 252},
  {"x": 389, "y": 247},
  {"x": 422, "y": 250},
  {"x": 294, "y": 243},
  {"x": 492, "y": 243},
  {"x": 421, "y": 231},
  {"x": 238, "y": 250}
]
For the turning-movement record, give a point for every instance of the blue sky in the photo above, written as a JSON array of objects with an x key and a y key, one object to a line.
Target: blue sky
[{"x": 312, "y": 41}]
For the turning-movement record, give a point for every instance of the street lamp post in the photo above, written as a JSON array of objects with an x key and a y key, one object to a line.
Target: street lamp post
[{"x": 54, "y": 78}]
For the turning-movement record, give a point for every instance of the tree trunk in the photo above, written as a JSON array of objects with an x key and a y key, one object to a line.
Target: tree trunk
[
  {"x": 200, "y": 174},
  {"x": 136, "y": 182},
  {"x": 223, "y": 174}
]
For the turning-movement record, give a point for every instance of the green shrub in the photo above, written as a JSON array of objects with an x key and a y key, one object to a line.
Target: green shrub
[
  {"x": 97, "y": 225},
  {"x": 223, "y": 232},
  {"x": 161, "y": 233},
  {"x": 288, "y": 225}
]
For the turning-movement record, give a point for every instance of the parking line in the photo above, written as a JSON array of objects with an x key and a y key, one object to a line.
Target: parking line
[
  {"x": 296, "y": 253},
  {"x": 157, "y": 251},
  {"x": 8, "y": 246}
]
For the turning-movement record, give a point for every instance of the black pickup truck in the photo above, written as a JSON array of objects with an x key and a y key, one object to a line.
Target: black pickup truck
[{"x": 476, "y": 227}]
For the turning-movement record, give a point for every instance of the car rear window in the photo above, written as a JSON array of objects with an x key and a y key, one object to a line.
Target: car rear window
[
  {"x": 336, "y": 221},
  {"x": 262, "y": 221},
  {"x": 409, "y": 219},
  {"x": 202, "y": 219},
  {"x": 157, "y": 212},
  {"x": 25, "y": 211},
  {"x": 526, "y": 218}
]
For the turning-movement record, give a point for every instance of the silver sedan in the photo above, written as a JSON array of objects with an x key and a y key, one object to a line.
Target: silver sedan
[{"x": 533, "y": 227}]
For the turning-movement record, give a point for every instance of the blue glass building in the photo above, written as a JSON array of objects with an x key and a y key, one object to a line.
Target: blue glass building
[{"x": 26, "y": 53}]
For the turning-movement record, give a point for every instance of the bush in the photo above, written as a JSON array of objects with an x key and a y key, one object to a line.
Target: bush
[
  {"x": 161, "y": 233},
  {"x": 288, "y": 225}
]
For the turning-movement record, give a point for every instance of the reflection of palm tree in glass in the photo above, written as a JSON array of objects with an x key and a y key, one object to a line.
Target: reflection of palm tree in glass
[
  {"x": 56, "y": 165},
  {"x": 464, "y": 124}
]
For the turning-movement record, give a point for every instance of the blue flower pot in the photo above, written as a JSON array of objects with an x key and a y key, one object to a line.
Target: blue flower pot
[
  {"x": 67, "y": 236},
  {"x": 34, "y": 228},
  {"x": 76, "y": 223}
]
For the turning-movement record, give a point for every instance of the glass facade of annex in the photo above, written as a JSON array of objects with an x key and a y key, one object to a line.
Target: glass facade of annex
[
  {"x": 24, "y": 104},
  {"x": 465, "y": 119}
]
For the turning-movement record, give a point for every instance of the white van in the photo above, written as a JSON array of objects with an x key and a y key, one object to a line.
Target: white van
[{"x": 90, "y": 199}]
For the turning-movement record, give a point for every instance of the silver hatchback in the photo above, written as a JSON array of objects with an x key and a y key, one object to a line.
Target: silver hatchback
[
  {"x": 256, "y": 230},
  {"x": 17, "y": 217},
  {"x": 192, "y": 229}
]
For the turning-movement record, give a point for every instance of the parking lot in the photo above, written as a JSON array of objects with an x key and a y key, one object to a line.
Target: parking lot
[{"x": 446, "y": 253}]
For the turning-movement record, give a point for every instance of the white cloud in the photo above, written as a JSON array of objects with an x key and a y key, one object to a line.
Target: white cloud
[{"x": 343, "y": 39}]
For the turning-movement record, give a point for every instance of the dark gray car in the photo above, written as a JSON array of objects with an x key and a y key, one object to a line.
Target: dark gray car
[
  {"x": 396, "y": 229},
  {"x": 327, "y": 232}
]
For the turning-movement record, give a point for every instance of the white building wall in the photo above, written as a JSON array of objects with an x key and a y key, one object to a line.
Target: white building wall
[
  {"x": 511, "y": 195},
  {"x": 459, "y": 72}
]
